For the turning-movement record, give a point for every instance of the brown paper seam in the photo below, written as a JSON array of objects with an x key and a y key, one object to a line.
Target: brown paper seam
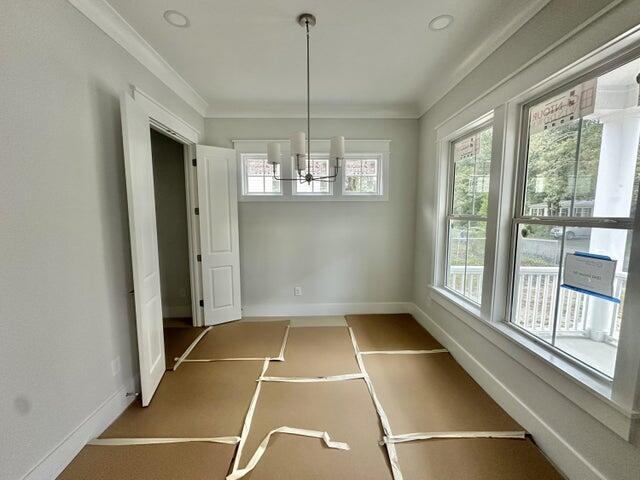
[
  {"x": 183, "y": 358},
  {"x": 384, "y": 421},
  {"x": 232, "y": 440},
  {"x": 410, "y": 437}
]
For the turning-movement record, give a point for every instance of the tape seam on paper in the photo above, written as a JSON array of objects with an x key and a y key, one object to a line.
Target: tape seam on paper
[
  {"x": 182, "y": 357},
  {"x": 384, "y": 421},
  {"x": 409, "y": 437},
  {"x": 405, "y": 352},
  {"x": 239, "y": 473},
  {"x": 156, "y": 441},
  {"x": 246, "y": 426},
  {"x": 331, "y": 378}
]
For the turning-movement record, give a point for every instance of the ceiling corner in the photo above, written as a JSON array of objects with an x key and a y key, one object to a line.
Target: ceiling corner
[{"x": 106, "y": 18}]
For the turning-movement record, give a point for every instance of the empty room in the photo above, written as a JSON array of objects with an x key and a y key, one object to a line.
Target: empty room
[{"x": 293, "y": 239}]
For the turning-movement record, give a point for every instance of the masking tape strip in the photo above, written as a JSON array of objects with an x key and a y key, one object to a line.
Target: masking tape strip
[
  {"x": 405, "y": 352},
  {"x": 236, "y": 474},
  {"x": 182, "y": 357},
  {"x": 409, "y": 437},
  {"x": 332, "y": 378},
  {"x": 384, "y": 421},
  {"x": 280, "y": 357},
  {"x": 246, "y": 426},
  {"x": 155, "y": 441},
  {"x": 206, "y": 360}
]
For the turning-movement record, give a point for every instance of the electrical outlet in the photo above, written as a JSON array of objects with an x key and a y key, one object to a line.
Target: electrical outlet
[
  {"x": 297, "y": 291},
  {"x": 115, "y": 366}
]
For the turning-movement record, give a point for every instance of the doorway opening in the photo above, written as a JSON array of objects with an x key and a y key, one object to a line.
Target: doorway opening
[{"x": 172, "y": 182}]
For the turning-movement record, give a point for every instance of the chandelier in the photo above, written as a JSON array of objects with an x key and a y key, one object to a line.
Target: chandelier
[{"x": 301, "y": 144}]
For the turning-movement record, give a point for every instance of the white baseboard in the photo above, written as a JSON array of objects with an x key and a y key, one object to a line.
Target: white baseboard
[
  {"x": 559, "y": 451},
  {"x": 307, "y": 309},
  {"x": 61, "y": 455}
]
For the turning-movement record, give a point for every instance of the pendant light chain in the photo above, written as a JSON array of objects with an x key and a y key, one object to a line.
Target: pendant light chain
[
  {"x": 301, "y": 146},
  {"x": 308, "y": 103}
]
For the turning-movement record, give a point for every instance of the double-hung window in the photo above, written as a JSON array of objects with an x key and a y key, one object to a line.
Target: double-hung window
[
  {"x": 577, "y": 192},
  {"x": 469, "y": 163}
]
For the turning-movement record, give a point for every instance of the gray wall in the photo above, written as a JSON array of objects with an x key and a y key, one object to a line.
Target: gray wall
[
  {"x": 171, "y": 221},
  {"x": 362, "y": 251},
  {"x": 608, "y": 453},
  {"x": 65, "y": 312}
]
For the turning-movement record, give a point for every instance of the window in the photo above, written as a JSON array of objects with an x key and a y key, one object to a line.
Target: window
[
  {"x": 257, "y": 176},
  {"x": 470, "y": 159},
  {"x": 362, "y": 176},
  {"x": 582, "y": 141},
  {"x": 319, "y": 168}
]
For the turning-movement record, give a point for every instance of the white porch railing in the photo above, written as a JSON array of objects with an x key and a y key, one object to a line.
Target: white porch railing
[{"x": 536, "y": 287}]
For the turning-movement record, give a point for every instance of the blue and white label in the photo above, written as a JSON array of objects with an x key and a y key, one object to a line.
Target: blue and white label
[{"x": 589, "y": 273}]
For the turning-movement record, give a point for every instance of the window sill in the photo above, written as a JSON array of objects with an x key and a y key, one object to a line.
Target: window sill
[{"x": 588, "y": 391}]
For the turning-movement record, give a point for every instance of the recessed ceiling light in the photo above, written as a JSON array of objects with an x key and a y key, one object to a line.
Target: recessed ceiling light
[
  {"x": 176, "y": 18},
  {"x": 440, "y": 22}
]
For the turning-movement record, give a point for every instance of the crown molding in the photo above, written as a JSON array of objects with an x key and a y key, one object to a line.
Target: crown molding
[
  {"x": 318, "y": 111},
  {"x": 106, "y": 18},
  {"x": 479, "y": 55}
]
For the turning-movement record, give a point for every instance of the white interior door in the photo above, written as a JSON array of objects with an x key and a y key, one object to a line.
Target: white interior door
[
  {"x": 144, "y": 245},
  {"x": 218, "y": 208}
]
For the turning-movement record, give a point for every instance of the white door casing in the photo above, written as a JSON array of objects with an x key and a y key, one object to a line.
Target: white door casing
[
  {"x": 218, "y": 212},
  {"x": 144, "y": 245}
]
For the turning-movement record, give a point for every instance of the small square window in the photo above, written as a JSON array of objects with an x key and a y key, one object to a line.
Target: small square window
[
  {"x": 258, "y": 177},
  {"x": 362, "y": 176},
  {"x": 319, "y": 168}
]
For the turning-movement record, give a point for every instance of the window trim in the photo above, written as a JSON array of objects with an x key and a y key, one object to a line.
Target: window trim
[
  {"x": 444, "y": 201},
  {"x": 294, "y": 185},
  {"x": 377, "y": 148},
  {"x": 450, "y": 216},
  {"x": 519, "y": 215},
  {"x": 615, "y": 406},
  {"x": 244, "y": 186},
  {"x": 379, "y": 175}
]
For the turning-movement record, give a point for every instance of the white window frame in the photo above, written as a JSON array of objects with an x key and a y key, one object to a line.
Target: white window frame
[
  {"x": 481, "y": 124},
  {"x": 562, "y": 219},
  {"x": 379, "y": 175},
  {"x": 380, "y": 149},
  {"x": 616, "y": 402},
  {"x": 244, "y": 186},
  {"x": 294, "y": 185}
]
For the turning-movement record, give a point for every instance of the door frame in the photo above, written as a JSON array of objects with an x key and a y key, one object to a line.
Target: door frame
[{"x": 168, "y": 123}]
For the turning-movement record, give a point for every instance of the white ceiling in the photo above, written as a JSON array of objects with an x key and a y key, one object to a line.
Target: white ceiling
[{"x": 368, "y": 57}]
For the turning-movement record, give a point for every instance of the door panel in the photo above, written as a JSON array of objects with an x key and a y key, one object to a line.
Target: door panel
[
  {"x": 218, "y": 206},
  {"x": 144, "y": 245}
]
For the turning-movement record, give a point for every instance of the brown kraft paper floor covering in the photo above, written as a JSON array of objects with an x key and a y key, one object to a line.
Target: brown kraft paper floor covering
[{"x": 419, "y": 393}]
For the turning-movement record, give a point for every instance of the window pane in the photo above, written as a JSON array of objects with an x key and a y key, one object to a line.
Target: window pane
[
  {"x": 259, "y": 176},
  {"x": 255, "y": 184},
  {"x": 361, "y": 176},
  {"x": 465, "y": 264},
  {"x": 472, "y": 160},
  {"x": 536, "y": 279},
  {"x": 586, "y": 327},
  {"x": 583, "y": 149},
  {"x": 319, "y": 168}
]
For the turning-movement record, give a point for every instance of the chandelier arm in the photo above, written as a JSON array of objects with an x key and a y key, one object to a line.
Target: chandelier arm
[{"x": 282, "y": 178}]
